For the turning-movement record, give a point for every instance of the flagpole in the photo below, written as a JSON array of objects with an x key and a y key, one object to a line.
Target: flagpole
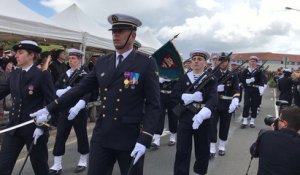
[{"x": 174, "y": 37}]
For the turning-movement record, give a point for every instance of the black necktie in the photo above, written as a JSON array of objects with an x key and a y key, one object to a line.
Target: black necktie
[{"x": 120, "y": 57}]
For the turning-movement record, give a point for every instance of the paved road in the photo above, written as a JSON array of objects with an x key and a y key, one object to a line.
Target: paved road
[{"x": 160, "y": 162}]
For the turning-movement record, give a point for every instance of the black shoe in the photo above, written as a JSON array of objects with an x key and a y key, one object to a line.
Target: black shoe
[
  {"x": 154, "y": 146},
  {"x": 212, "y": 155},
  {"x": 54, "y": 172},
  {"x": 252, "y": 126},
  {"x": 243, "y": 126},
  {"x": 79, "y": 169},
  {"x": 171, "y": 143},
  {"x": 221, "y": 153}
]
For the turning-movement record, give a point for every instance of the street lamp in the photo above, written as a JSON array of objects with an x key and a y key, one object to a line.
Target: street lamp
[{"x": 290, "y": 8}]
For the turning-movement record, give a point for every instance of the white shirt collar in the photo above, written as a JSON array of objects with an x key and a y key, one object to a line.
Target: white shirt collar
[
  {"x": 27, "y": 68},
  {"x": 125, "y": 54}
]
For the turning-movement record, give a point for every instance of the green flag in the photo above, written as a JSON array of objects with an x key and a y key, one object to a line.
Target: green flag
[{"x": 168, "y": 61}]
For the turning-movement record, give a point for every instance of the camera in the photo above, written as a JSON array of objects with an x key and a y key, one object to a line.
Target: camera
[{"x": 269, "y": 120}]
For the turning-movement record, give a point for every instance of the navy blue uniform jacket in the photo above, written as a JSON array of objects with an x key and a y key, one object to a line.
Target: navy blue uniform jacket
[{"x": 129, "y": 109}]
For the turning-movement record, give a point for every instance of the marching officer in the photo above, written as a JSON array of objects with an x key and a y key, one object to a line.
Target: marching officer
[
  {"x": 166, "y": 86},
  {"x": 129, "y": 93},
  {"x": 194, "y": 125},
  {"x": 252, "y": 78},
  {"x": 228, "y": 90},
  {"x": 76, "y": 116},
  {"x": 285, "y": 85},
  {"x": 30, "y": 89}
]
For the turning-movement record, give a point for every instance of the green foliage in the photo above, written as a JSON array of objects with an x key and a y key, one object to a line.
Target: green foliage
[
  {"x": 51, "y": 47},
  {"x": 272, "y": 83}
]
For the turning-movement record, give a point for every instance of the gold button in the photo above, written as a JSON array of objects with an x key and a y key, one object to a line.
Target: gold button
[
  {"x": 118, "y": 100},
  {"x": 117, "y": 109},
  {"x": 103, "y": 106},
  {"x": 105, "y": 89},
  {"x": 120, "y": 90},
  {"x": 104, "y": 98},
  {"x": 115, "y": 118}
]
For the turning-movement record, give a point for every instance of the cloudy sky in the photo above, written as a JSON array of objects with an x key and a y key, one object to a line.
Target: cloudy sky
[{"x": 213, "y": 25}]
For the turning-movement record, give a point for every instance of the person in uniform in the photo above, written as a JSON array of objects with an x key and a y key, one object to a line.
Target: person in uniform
[
  {"x": 187, "y": 65},
  {"x": 166, "y": 86},
  {"x": 130, "y": 102},
  {"x": 285, "y": 85},
  {"x": 263, "y": 88},
  {"x": 234, "y": 65},
  {"x": 228, "y": 90},
  {"x": 252, "y": 78},
  {"x": 296, "y": 87},
  {"x": 214, "y": 60},
  {"x": 75, "y": 117},
  {"x": 194, "y": 125},
  {"x": 58, "y": 65},
  {"x": 30, "y": 90}
]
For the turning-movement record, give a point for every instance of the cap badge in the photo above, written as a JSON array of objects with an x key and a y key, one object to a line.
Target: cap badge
[{"x": 114, "y": 19}]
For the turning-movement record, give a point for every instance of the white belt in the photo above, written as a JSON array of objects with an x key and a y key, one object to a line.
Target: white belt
[
  {"x": 253, "y": 85},
  {"x": 165, "y": 92},
  {"x": 225, "y": 97}
]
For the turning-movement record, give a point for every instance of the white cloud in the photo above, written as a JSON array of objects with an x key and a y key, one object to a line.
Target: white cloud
[
  {"x": 215, "y": 25},
  {"x": 207, "y": 4}
]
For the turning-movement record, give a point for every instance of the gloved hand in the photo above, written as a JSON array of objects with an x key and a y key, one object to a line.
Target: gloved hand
[
  {"x": 189, "y": 98},
  {"x": 203, "y": 114},
  {"x": 41, "y": 115},
  {"x": 161, "y": 80},
  {"x": 36, "y": 134},
  {"x": 261, "y": 90},
  {"x": 137, "y": 152},
  {"x": 60, "y": 92},
  {"x": 73, "y": 112},
  {"x": 250, "y": 80},
  {"x": 220, "y": 88},
  {"x": 233, "y": 105}
]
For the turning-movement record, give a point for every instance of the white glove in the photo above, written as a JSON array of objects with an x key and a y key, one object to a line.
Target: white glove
[
  {"x": 73, "y": 112},
  {"x": 60, "y": 92},
  {"x": 220, "y": 88},
  {"x": 41, "y": 115},
  {"x": 36, "y": 134},
  {"x": 233, "y": 105},
  {"x": 261, "y": 90},
  {"x": 203, "y": 114},
  {"x": 250, "y": 80},
  {"x": 161, "y": 80},
  {"x": 189, "y": 98},
  {"x": 137, "y": 152}
]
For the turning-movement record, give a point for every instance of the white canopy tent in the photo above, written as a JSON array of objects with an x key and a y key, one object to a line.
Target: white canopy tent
[
  {"x": 19, "y": 22},
  {"x": 94, "y": 35}
]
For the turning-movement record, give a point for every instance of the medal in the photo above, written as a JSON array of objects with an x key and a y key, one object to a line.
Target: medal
[
  {"x": 126, "y": 83},
  {"x": 30, "y": 89}
]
